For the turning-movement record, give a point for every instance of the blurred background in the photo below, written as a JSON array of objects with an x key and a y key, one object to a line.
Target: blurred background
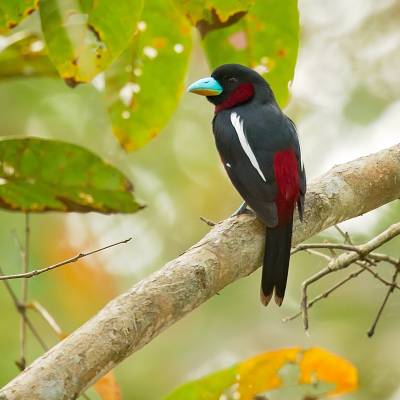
[{"x": 345, "y": 102}]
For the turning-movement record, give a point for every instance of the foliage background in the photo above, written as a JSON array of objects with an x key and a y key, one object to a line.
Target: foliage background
[{"x": 346, "y": 103}]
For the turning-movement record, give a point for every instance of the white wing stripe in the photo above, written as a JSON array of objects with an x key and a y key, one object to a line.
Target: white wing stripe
[{"x": 238, "y": 125}]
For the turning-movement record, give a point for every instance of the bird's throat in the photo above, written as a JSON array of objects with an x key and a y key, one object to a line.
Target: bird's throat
[{"x": 241, "y": 94}]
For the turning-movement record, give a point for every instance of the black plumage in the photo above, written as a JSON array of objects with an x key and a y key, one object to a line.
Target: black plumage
[{"x": 260, "y": 150}]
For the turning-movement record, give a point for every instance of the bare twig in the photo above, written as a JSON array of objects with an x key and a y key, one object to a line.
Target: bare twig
[
  {"x": 207, "y": 221},
  {"x": 371, "y": 330},
  {"x": 379, "y": 278},
  {"x": 353, "y": 254},
  {"x": 319, "y": 254},
  {"x": 24, "y": 294},
  {"x": 19, "y": 307},
  {"x": 60, "y": 264},
  {"x": 384, "y": 257},
  {"x": 326, "y": 293},
  {"x": 47, "y": 317},
  {"x": 346, "y": 236},
  {"x": 346, "y": 247}
]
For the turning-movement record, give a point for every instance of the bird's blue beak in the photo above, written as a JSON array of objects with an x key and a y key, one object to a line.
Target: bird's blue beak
[{"x": 206, "y": 87}]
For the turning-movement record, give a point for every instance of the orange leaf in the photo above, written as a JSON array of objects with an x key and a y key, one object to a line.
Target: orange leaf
[
  {"x": 108, "y": 388},
  {"x": 319, "y": 364},
  {"x": 260, "y": 373},
  {"x": 309, "y": 373}
]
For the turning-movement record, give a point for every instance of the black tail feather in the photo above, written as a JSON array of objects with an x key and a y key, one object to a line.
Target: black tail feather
[{"x": 276, "y": 262}]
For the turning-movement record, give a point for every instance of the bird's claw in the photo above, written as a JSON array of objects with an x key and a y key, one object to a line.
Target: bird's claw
[{"x": 241, "y": 210}]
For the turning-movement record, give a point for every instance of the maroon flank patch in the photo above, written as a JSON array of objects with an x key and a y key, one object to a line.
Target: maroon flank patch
[{"x": 288, "y": 182}]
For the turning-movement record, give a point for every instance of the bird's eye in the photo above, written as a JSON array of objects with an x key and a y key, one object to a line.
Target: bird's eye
[{"x": 232, "y": 80}]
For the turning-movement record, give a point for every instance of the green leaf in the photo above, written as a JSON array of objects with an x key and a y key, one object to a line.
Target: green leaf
[
  {"x": 145, "y": 84},
  {"x": 25, "y": 56},
  {"x": 266, "y": 39},
  {"x": 46, "y": 175},
  {"x": 208, "y": 15},
  {"x": 85, "y": 36},
  {"x": 12, "y": 12},
  {"x": 289, "y": 374},
  {"x": 208, "y": 388}
]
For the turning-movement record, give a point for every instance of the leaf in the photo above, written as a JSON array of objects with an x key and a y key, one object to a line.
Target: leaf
[
  {"x": 208, "y": 15},
  {"x": 260, "y": 373},
  {"x": 310, "y": 373},
  {"x": 266, "y": 39},
  {"x": 207, "y": 388},
  {"x": 318, "y": 364},
  {"x": 107, "y": 387},
  {"x": 145, "y": 84},
  {"x": 46, "y": 175},
  {"x": 12, "y": 12},
  {"x": 25, "y": 55},
  {"x": 84, "y": 37}
]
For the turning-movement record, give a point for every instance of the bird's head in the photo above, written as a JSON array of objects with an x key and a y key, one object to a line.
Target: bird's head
[{"x": 232, "y": 84}]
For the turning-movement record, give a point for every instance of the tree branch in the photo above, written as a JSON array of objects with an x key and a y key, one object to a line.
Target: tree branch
[{"x": 230, "y": 251}]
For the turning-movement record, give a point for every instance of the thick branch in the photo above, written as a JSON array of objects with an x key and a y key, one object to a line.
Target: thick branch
[{"x": 231, "y": 250}]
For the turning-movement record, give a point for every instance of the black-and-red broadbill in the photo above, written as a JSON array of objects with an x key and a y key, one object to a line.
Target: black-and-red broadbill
[{"x": 260, "y": 150}]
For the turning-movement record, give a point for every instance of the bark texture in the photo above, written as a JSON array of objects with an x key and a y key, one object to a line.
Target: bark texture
[{"x": 231, "y": 250}]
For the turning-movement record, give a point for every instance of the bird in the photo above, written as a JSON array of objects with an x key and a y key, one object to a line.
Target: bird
[{"x": 260, "y": 150}]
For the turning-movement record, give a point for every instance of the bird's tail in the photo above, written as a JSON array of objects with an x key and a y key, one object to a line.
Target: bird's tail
[{"x": 278, "y": 242}]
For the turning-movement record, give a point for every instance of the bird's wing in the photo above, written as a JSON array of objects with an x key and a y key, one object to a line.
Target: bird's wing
[
  {"x": 248, "y": 141},
  {"x": 251, "y": 173}
]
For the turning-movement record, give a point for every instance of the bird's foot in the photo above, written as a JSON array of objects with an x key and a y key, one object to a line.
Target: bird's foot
[{"x": 241, "y": 210}]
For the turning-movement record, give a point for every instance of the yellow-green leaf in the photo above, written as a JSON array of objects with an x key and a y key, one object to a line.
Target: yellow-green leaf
[
  {"x": 207, "y": 388},
  {"x": 25, "y": 55},
  {"x": 84, "y": 37},
  {"x": 292, "y": 373},
  {"x": 12, "y": 12},
  {"x": 145, "y": 84},
  {"x": 47, "y": 175},
  {"x": 208, "y": 15},
  {"x": 266, "y": 39}
]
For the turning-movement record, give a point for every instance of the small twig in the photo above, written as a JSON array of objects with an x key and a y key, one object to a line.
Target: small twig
[
  {"x": 354, "y": 254},
  {"x": 19, "y": 307},
  {"x": 24, "y": 252},
  {"x": 326, "y": 293},
  {"x": 379, "y": 278},
  {"x": 384, "y": 257},
  {"x": 336, "y": 246},
  {"x": 24, "y": 293},
  {"x": 346, "y": 236},
  {"x": 207, "y": 221},
  {"x": 60, "y": 264},
  {"x": 47, "y": 317},
  {"x": 371, "y": 330},
  {"x": 319, "y": 254},
  {"x": 304, "y": 297},
  {"x": 370, "y": 257},
  {"x": 43, "y": 312}
]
